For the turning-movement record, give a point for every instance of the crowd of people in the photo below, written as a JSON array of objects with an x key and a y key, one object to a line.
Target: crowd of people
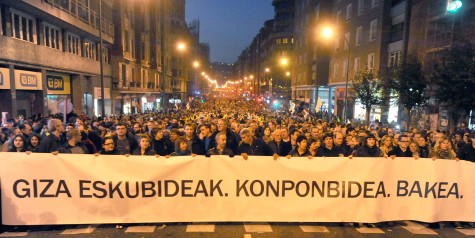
[{"x": 229, "y": 127}]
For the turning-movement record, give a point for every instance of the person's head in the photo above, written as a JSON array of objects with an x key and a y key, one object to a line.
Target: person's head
[
  {"x": 55, "y": 126},
  {"x": 404, "y": 141},
  {"x": 314, "y": 144},
  {"x": 328, "y": 140},
  {"x": 156, "y": 133},
  {"x": 284, "y": 132},
  {"x": 472, "y": 139},
  {"x": 189, "y": 130},
  {"x": 19, "y": 142},
  {"x": 121, "y": 130},
  {"x": 174, "y": 134},
  {"x": 421, "y": 141},
  {"x": 294, "y": 134},
  {"x": 144, "y": 142},
  {"x": 314, "y": 132},
  {"x": 108, "y": 143},
  {"x": 34, "y": 140},
  {"x": 277, "y": 135},
  {"x": 386, "y": 141},
  {"x": 69, "y": 126},
  {"x": 246, "y": 136},
  {"x": 442, "y": 143},
  {"x": 181, "y": 144},
  {"x": 221, "y": 140},
  {"x": 338, "y": 138},
  {"x": 414, "y": 147},
  {"x": 73, "y": 136},
  {"x": 302, "y": 142},
  {"x": 25, "y": 129},
  {"x": 137, "y": 128},
  {"x": 267, "y": 131},
  {"x": 213, "y": 127},
  {"x": 370, "y": 141},
  {"x": 222, "y": 124},
  {"x": 205, "y": 130},
  {"x": 79, "y": 121},
  {"x": 272, "y": 125}
]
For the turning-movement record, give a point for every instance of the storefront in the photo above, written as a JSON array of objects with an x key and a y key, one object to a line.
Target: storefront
[
  {"x": 58, "y": 93},
  {"x": 29, "y": 92},
  {"x": 97, "y": 101}
]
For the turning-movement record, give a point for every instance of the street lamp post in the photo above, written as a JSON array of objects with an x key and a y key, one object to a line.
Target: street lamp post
[
  {"x": 327, "y": 32},
  {"x": 345, "y": 111},
  {"x": 101, "y": 64}
]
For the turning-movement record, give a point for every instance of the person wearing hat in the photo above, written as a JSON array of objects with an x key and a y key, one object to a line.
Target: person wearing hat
[
  {"x": 467, "y": 152},
  {"x": 369, "y": 148}
]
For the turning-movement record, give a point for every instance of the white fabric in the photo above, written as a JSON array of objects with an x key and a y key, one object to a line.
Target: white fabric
[{"x": 228, "y": 203}]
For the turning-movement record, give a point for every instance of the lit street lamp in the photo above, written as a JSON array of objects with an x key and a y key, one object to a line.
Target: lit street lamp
[{"x": 327, "y": 32}]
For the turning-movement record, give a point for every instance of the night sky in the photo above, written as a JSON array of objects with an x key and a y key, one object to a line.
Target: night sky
[{"x": 228, "y": 25}]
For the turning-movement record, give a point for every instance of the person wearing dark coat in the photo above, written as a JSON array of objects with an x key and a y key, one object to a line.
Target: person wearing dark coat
[
  {"x": 329, "y": 149},
  {"x": 402, "y": 150},
  {"x": 163, "y": 146},
  {"x": 369, "y": 148},
  {"x": 144, "y": 147},
  {"x": 231, "y": 142},
  {"x": 108, "y": 147},
  {"x": 53, "y": 141},
  {"x": 467, "y": 152},
  {"x": 253, "y": 146},
  {"x": 123, "y": 142}
]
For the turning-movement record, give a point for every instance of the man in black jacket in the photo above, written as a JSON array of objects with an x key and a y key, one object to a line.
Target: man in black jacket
[
  {"x": 467, "y": 152},
  {"x": 402, "y": 150},
  {"x": 124, "y": 143},
  {"x": 231, "y": 142},
  {"x": 53, "y": 141}
]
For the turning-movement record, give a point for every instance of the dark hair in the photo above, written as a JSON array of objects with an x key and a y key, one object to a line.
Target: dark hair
[
  {"x": 328, "y": 134},
  {"x": 106, "y": 138},
  {"x": 301, "y": 138}
]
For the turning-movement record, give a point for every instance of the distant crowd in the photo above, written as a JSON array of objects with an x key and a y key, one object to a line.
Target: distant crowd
[{"x": 229, "y": 127}]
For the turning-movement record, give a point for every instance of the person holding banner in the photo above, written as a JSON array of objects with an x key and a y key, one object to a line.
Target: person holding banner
[
  {"x": 181, "y": 147},
  {"x": 33, "y": 143},
  {"x": 467, "y": 152},
  {"x": 329, "y": 149},
  {"x": 301, "y": 149},
  {"x": 313, "y": 145},
  {"x": 253, "y": 146},
  {"x": 220, "y": 148},
  {"x": 108, "y": 147},
  {"x": 18, "y": 144},
  {"x": 144, "y": 147},
  {"x": 125, "y": 144},
  {"x": 402, "y": 150},
  {"x": 72, "y": 147},
  {"x": 443, "y": 150},
  {"x": 369, "y": 148}
]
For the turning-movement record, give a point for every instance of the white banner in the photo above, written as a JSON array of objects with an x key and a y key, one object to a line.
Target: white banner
[{"x": 83, "y": 189}]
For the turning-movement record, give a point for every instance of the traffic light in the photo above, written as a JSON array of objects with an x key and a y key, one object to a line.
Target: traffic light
[{"x": 453, "y": 6}]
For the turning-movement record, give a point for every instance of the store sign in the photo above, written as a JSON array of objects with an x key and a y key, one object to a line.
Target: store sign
[
  {"x": 28, "y": 80},
  {"x": 4, "y": 78},
  {"x": 58, "y": 84}
]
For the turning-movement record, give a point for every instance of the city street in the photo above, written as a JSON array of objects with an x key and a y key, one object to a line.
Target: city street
[{"x": 246, "y": 230}]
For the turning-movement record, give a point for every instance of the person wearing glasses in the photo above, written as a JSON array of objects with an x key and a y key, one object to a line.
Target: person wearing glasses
[
  {"x": 402, "y": 150},
  {"x": 108, "y": 147}
]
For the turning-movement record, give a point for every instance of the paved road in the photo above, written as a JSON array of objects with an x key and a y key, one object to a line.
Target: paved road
[{"x": 241, "y": 230}]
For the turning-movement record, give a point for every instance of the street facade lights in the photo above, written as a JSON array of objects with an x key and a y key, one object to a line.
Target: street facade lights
[{"x": 328, "y": 33}]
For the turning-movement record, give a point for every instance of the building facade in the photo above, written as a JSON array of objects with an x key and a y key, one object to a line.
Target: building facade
[{"x": 50, "y": 56}]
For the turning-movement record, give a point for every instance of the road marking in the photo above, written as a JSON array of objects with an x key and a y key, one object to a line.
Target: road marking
[
  {"x": 313, "y": 229},
  {"x": 418, "y": 229},
  {"x": 368, "y": 230},
  {"x": 467, "y": 232},
  {"x": 140, "y": 229},
  {"x": 76, "y": 231},
  {"x": 258, "y": 227},
  {"x": 200, "y": 228},
  {"x": 13, "y": 234}
]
